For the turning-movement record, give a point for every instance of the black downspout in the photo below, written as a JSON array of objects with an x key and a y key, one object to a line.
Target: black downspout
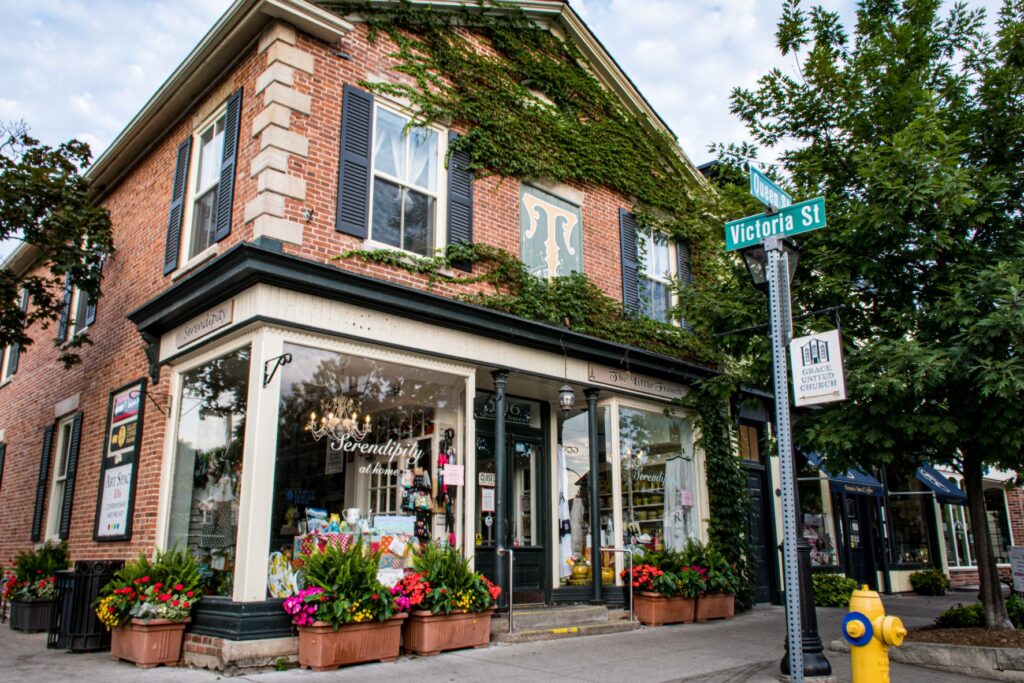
[
  {"x": 500, "y": 484},
  {"x": 595, "y": 499}
]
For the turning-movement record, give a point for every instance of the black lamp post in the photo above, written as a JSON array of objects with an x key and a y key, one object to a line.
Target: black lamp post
[{"x": 815, "y": 664}]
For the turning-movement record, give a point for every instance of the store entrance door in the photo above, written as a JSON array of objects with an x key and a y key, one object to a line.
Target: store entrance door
[
  {"x": 855, "y": 514},
  {"x": 527, "y": 519},
  {"x": 759, "y": 532}
]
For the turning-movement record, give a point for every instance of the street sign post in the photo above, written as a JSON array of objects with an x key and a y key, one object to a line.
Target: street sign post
[
  {"x": 767, "y": 192},
  {"x": 792, "y": 220}
]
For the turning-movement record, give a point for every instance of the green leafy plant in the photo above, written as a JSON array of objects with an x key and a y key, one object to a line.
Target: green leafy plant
[
  {"x": 720, "y": 576},
  {"x": 930, "y": 581},
  {"x": 166, "y": 587},
  {"x": 34, "y": 571},
  {"x": 451, "y": 585},
  {"x": 347, "y": 578},
  {"x": 1015, "y": 608},
  {"x": 833, "y": 590},
  {"x": 962, "y": 616}
]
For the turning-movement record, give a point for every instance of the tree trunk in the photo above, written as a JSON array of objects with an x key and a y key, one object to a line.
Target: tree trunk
[{"x": 988, "y": 575}]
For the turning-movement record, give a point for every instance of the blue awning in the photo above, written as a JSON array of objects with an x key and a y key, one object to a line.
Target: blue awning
[
  {"x": 852, "y": 482},
  {"x": 944, "y": 490}
]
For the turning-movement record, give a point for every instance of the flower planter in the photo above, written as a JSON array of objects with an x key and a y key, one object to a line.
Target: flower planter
[
  {"x": 428, "y": 634},
  {"x": 32, "y": 615},
  {"x": 716, "y": 606},
  {"x": 148, "y": 642},
  {"x": 654, "y": 609},
  {"x": 321, "y": 648}
]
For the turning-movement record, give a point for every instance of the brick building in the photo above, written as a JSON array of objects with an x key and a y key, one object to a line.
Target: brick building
[{"x": 242, "y": 376}]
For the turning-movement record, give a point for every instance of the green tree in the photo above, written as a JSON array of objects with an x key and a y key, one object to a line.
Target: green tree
[
  {"x": 911, "y": 128},
  {"x": 45, "y": 202}
]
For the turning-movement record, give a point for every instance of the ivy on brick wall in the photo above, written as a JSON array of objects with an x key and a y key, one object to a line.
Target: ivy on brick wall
[{"x": 533, "y": 109}]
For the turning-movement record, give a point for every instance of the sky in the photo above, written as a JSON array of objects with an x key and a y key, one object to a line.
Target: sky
[{"x": 82, "y": 68}]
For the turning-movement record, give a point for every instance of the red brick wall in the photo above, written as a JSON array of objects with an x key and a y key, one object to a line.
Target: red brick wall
[{"x": 139, "y": 209}]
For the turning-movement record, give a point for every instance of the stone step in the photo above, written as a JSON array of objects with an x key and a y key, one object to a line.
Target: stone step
[
  {"x": 595, "y": 629},
  {"x": 546, "y": 617}
]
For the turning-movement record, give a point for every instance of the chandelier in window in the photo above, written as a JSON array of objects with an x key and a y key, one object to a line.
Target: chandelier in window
[{"x": 339, "y": 421}]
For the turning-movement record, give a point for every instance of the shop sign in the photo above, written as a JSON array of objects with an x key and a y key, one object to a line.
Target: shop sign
[
  {"x": 454, "y": 475},
  {"x": 817, "y": 362},
  {"x": 207, "y": 323},
  {"x": 487, "y": 499},
  {"x": 516, "y": 412},
  {"x": 119, "y": 467},
  {"x": 487, "y": 478},
  {"x": 1017, "y": 567},
  {"x": 632, "y": 382}
]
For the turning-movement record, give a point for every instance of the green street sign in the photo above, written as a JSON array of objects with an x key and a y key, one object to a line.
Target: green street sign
[
  {"x": 766, "y": 191},
  {"x": 792, "y": 220}
]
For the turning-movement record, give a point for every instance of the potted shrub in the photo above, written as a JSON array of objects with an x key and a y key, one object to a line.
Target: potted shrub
[
  {"x": 930, "y": 581},
  {"x": 147, "y": 605},
  {"x": 664, "y": 596},
  {"x": 450, "y": 606},
  {"x": 344, "y": 614},
  {"x": 718, "y": 600},
  {"x": 32, "y": 589}
]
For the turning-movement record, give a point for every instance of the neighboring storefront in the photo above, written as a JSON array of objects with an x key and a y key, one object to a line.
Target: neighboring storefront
[{"x": 356, "y": 407}]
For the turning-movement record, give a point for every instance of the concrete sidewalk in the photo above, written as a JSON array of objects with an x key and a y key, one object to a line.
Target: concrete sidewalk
[{"x": 747, "y": 648}]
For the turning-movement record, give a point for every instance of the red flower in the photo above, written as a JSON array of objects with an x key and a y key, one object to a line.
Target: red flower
[
  {"x": 185, "y": 604},
  {"x": 157, "y": 585},
  {"x": 375, "y": 596},
  {"x": 174, "y": 603},
  {"x": 189, "y": 594},
  {"x": 110, "y": 609},
  {"x": 145, "y": 579},
  {"x": 178, "y": 587},
  {"x": 39, "y": 571}
]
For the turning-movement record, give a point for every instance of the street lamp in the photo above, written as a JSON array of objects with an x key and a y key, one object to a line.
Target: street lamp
[{"x": 771, "y": 266}]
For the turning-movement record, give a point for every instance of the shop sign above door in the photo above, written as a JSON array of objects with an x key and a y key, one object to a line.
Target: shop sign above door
[
  {"x": 817, "y": 368},
  {"x": 207, "y": 323},
  {"x": 632, "y": 382}
]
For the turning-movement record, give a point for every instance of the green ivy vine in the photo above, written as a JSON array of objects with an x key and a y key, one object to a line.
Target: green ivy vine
[{"x": 532, "y": 109}]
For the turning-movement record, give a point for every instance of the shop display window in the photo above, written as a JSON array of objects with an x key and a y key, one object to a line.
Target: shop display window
[
  {"x": 658, "y": 479},
  {"x": 362, "y": 449},
  {"x": 817, "y": 526},
  {"x": 208, "y": 465},
  {"x": 909, "y": 519},
  {"x": 574, "y": 480},
  {"x": 998, "y": 524}
]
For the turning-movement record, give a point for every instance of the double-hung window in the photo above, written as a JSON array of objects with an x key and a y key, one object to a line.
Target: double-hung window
[
  {"x": 60, "y": 476},
  {"x": 655, "y": 275},
  {"x": 405, "y": 186},
  {"x": 210, "y": 141},
  {"x": 80, "y": 306}
]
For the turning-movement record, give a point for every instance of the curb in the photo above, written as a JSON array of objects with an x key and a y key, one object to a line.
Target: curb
[{"x": 993, "y": 663}]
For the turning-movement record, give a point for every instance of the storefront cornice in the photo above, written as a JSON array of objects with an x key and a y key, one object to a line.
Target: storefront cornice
[{"x": 247, "y": 264}]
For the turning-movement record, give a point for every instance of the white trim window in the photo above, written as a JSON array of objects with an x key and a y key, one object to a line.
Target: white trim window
[
  {"x": 5, "y": 364},
  {"x": 406, "y": 193},
  {"x": 202, "y": 218},
  {"x": 79, "y": 322},
  {"x": 656, "y": 273},
  {"x": 60, "y": 475}
]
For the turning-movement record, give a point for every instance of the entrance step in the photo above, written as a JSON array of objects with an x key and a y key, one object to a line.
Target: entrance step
[{"x": 550, "y": 623}]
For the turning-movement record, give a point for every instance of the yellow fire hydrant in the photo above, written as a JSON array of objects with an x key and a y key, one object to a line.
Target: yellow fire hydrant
[{"x": 870, "y": 633}]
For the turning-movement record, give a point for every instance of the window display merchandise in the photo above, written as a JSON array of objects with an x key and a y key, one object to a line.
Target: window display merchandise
[{"x": 362, "y": 452}]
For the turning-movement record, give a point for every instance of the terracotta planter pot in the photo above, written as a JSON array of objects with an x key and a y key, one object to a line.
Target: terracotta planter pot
[
  {"x": 428, "y": 634},
  {"x": 321, "y": 648},
  {"x": 148, "y": 642},
  {"x": 32, "y": 615},
  {"x": 654, "y": 609},
  {"x": 716, "y": 606}
]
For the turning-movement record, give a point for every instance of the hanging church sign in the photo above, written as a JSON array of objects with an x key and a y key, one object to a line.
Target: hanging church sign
[{"x": 817, "y": 362}]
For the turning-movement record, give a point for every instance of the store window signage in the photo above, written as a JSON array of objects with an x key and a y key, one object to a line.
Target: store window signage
[
  {"x": 515, "y": 412},
  {"x": 119, "y": 469},
  {"x": 817, "y": 362},
  {"x": 550, "y": 234},
  {"x": 633, "y": 382},
  {"x": 207, "y": 323}
]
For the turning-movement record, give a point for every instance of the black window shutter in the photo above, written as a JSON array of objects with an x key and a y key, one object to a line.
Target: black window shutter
[
  {"x": 12, "y": 360},
  {"x": 65, "y": 311},
  {"x": 69, "y": 482},
  {"x": 3, "y": 455},
  {"x": 177, "y": 206},
  {"x": 460, "y": 201},
  {"x": 44, "y": 471},
  {"x": 353, "y": 210},
  {"x": 685, "y": 264},
  {"x": 226, "y": 188},
  {"x": 627, "y": 237}
]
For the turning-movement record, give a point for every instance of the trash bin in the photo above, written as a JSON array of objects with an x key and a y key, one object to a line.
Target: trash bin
[{"x": 75, "y": 626}]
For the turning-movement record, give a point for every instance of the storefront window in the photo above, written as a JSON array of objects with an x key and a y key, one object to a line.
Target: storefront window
[
  {"x": 360, "y": 452},
  {"x": 658, "y": 479},
  {"x": 909, "y": 528},
  {"x": 998, "y": 526},
  {"x": 574, "y": 481},
  {"x": 208, "y": 465},
  {"x": 817, "y": 528},
  {"x": 957, "y": 532}
]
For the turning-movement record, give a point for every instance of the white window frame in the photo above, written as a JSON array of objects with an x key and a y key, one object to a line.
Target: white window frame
[
  {"x": 5, "y": 365},
  {"x": 59, "y": 478},
  {"x": 960, "y": 512},
  {"x": 73, "y": 329},
  {"x": 440, "y": 194},
  {"x": 185, "y": 261},
  {"x": 668, "y": 280}
]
